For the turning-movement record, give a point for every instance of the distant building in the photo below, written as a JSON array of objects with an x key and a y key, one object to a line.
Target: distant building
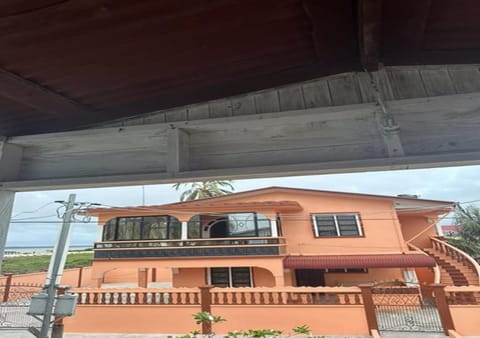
[{"x": 450, "y": 230}]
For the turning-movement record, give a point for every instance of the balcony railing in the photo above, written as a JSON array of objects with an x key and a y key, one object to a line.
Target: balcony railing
[{"x": 240, "y": 246}]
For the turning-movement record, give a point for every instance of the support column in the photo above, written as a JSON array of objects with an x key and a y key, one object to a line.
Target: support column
[
  {"x": 6, "y": 206},
  {"x": 184, "y": 231},
  {"x": 273, "y": 227}
]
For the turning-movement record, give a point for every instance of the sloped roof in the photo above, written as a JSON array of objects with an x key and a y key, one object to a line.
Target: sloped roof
[
  {"x": 358, "y": 261},
  {"x": 228, "y": 201}
]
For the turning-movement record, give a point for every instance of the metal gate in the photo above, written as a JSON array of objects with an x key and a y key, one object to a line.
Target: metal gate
[
  {"x": 402, "y": 308},
  {"x": 15, "y": 301}
]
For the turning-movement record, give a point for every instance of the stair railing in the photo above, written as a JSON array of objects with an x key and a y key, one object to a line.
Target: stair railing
[
  {"x": 436, "y": 268},
  {"x": 457, "y": 254}
]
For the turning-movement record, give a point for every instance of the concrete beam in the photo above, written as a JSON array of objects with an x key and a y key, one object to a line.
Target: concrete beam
[{"x": 436, "y": 131}]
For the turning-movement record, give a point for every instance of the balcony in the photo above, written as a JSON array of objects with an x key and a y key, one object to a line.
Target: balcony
[{"x": 207, "y": 247}]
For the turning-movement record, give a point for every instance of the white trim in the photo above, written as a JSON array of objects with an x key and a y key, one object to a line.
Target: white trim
[
  {"x": 337, "y": 228},
  {"x": 315, "y": 227},
  {"x": 359, "y": 226}
]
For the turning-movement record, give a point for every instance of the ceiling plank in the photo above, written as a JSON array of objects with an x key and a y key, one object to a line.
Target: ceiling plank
[
  {"x": 34, "y": 95},
  {"x": 406, "y": 45},
  {"x": 369, "y": 31}
]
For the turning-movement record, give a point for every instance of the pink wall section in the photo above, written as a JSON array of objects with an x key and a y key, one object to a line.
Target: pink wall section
[
  {"x": 320, "y": 319},
  {"x": 70, "y": 277},
  {"x": 132, "y": 319},
  {"x": 419, "y": 228},
  {"x": 466, "y": 319}
]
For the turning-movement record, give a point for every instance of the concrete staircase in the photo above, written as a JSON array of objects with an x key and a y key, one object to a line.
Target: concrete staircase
[{"x": 453, "y": 272}]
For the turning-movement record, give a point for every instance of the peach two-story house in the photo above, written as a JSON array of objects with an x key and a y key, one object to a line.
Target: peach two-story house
[{"x": 270, "y": 237}]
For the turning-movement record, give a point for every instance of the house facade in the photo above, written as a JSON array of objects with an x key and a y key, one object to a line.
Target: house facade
[{"x": 270, "y": 237}]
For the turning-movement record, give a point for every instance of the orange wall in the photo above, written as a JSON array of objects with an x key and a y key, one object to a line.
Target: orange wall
[
  {"x": 373, "y": 275},
  {"x": 189, "y": 277},
  {"x": 70, "y": 277},
  {"x": 413, "y": 225},
  {"x": 274, "y": 265},
  {"x": 132, "y": 319},
  {"x": 178, "y": 319},
  {"x": 320, "y": 319},
  {"x": 262, "y": 277},
  {"x": 466, "y": 319}
]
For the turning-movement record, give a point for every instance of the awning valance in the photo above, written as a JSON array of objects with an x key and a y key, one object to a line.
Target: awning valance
[{"x": 358, "y": 261}]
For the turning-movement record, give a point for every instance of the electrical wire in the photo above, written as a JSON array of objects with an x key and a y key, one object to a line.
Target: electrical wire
[{"x": 33, "y": 211}]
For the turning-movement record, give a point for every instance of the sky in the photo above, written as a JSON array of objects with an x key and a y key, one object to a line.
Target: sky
[{"x": 34, "y": 221}]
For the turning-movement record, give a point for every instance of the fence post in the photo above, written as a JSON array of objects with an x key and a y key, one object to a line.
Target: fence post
[
  {"x": 369, "y": 307},
  {"x": 80, "y": 276},
  {"x": 442, "y": 306},
  {"x": 8, "y": 285},
  {"x": 206, "y": 306}
]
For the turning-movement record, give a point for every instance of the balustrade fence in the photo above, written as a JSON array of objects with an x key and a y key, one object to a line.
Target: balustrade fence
[{"x": 364, "y": 304}]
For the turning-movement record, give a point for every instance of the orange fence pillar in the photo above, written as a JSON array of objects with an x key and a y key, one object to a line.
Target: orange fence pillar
[
  {"x": 369, "y": 307},
  {"x": 443, "y": 309}
]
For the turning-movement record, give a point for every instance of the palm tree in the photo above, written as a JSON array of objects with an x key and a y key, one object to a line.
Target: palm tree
[
  {"x": 468, "y": 237},
  {"x": 198, "y": 190}
]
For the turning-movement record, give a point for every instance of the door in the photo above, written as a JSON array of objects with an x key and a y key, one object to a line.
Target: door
[{"x": 310, "y": 277}]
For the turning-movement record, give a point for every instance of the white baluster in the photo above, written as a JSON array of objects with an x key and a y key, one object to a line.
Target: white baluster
[
  {"x": 124, "y": 296},
  {"x": 115, "y": 298},
  {"x": 166, "y": 298},
  {"x": 132, "y": 297},
  {"x": 149, "y": 298},
  {"x": 84, "y": 298},
  {"x": 158, "y": 297},
  {"x": 99, "y": 298},
  {"x": 108, "y": 296}
]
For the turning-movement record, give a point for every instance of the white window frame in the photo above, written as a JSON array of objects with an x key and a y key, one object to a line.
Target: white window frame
[
  {"x": 337, "y": 228},
  {"x": 230, "y": 279}
]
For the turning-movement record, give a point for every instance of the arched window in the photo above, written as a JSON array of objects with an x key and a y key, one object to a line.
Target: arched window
[{"x": 142, "y": 228}]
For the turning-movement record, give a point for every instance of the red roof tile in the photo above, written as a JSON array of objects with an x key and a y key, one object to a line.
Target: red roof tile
[{"x": 358, "y": 261}]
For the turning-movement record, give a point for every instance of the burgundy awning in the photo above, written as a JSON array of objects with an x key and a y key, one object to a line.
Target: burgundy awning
[{"x": 358, "y": 261}]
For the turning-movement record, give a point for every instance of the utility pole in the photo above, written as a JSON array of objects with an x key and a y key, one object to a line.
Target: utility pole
[{"x": 55, "y": 265}]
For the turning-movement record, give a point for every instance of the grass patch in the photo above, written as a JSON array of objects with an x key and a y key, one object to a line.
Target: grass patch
[{"x": 29, "y": 264}]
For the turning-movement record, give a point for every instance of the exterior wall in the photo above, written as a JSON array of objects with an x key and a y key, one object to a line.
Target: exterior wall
[
  {"x": 377, "y": 217},
  {"x": 272, "y": 265},
  {"x": 320, "y": 319},
  {"x": 70, "y": 277},
  {"x": 466, "y": 319},
  {"x": 132, "y": 319},
  {"x": 373, "y": 275},
  {"x": 130, "y": 275},
  {"x": 262, "y": 277},
  {"x": 189, "y": 277},
  {"x": 178, "y": 319},
  {"x": 416, "y": 225}
]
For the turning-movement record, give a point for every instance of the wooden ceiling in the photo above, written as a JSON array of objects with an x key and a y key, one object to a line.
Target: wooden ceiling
[{"x": 65, "y": 64}]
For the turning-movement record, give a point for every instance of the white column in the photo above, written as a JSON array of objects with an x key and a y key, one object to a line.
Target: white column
[
  {"x": 273, "y": 227},
  {"x": 6, "y": 206},
  {"x": 184, "y": 233}
]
